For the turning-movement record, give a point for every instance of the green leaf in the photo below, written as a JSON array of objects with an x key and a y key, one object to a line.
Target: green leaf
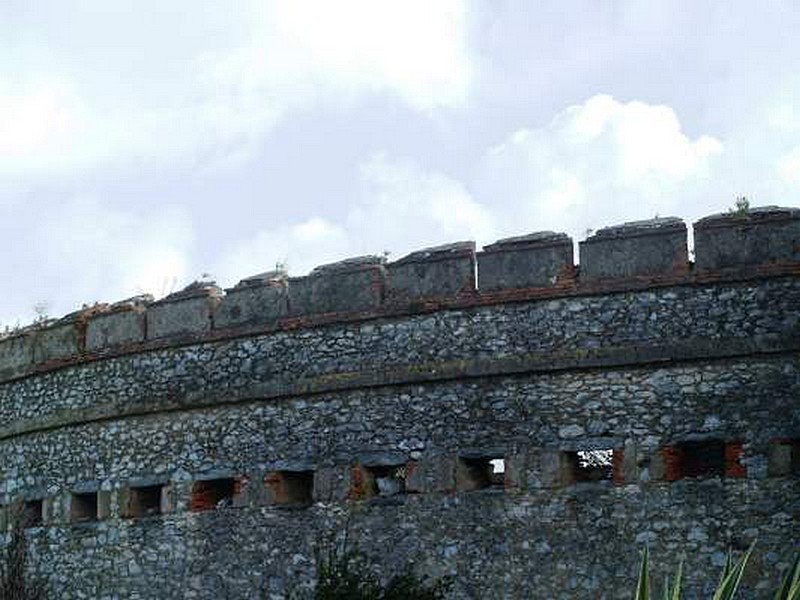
[
  {"x": 732, "y": 576},
  {"x": 790, "y": 585},
  {"x": 675, "y": 593},
  {"x": 643, "y": 585}
]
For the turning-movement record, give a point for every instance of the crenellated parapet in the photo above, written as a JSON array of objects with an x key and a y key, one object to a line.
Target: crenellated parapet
[
  {"x": 542, "y": 259},
  {"x": 761, "y": 236},
  {"x": 496, "y": 415},
  {"x": 641, "y": 248},
  {"x": 754, "y": 244},
  {"x": 440, "y": 272}
]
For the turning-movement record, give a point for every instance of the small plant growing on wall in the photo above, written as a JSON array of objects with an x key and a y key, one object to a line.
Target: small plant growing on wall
[
  {"x": 15, "y": 583},
  {"x": 347, "y": 574},
  {"x": 740, "y": 206},
  {"x": 729, "y": 581}
]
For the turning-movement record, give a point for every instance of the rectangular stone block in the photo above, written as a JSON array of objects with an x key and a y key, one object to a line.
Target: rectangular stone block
[
  {"x": 120, "y": 326},
  {"x": 355, "y": 284},
  {"x": 259, "y": 300},
  {"x": 640, "y": 248},
  {"x": 431, "y": 474},
  {"x": 103, "y": 504},
  {"x": 186, "y": 312},
  {"x": 57, "y": 342},
  {"x": 760, "y": 236},
  {"x": 515, "y": 470},
  {"x": 181, "y": 495},
  {"x": 548, "y": 468},
  {"x": 783, "y": 457},
  {"x": 540, "y": 259},
  {"x": 16, "y": 355},
  {"x": 439, "y": 272},
  {"x": 331, "y": 484}
]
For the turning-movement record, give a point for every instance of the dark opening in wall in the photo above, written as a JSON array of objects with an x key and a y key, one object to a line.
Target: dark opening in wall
[
  {"x": 784, "y": 457},
  {"x": 83, "y": 507},
  {"x": 704, "y": 458},
  {"x": 144, "y": 501},
  {"x": 380, "y": 480},
  {"x": 33, "y": 513},
  {"x": 592, "y": 465},
  {"x": 476, "y": 473},
  {"x": 290, "y": 487},
  {"x": 386, "y": 480},
  {"x": 211, "y": 494}
]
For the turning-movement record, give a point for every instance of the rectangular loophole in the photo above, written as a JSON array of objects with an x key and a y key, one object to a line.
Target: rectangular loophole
[
  {"x": 144, "y": 501},
  {"x": 33, "y": 513},
  {"x": 290, "y": 488},
  {"x": 591, "y": 465},
  {"x": 83, "y": 507},
  {"x": 386, "y": 480},
  {"x": 704, "y": 458},
  {"x": 477, "y": 473},
  {"x": 211, "y": 494}
]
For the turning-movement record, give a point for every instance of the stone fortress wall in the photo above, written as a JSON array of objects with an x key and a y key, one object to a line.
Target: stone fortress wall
[{"x": 502, "y": 417}]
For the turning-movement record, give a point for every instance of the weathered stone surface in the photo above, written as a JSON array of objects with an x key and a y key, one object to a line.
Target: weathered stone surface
[
  {"x": 355, "y": 284},
  {"x": 186, "y": 312},
  {"x": 639, "y": 248},
  {"x": 16, "y": 355},
  {"x": 57, "y": 342},
  {"x": 386, "y": 412},
  {"x": 535, "y": 260},
  {"x": 123, "y": 324},
  {"x": 664, "y": 324},
  {"x": 259, "y": 300},
  {"x": 440, "y": 271},
  {"x": 759, "y": 236}
]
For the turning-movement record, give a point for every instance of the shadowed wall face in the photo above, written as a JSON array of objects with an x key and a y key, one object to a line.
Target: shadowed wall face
[{"x": 495, "y": 434}]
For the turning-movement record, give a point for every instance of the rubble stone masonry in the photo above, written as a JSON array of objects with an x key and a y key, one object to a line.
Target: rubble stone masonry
[{"x": 506, "y": 418}]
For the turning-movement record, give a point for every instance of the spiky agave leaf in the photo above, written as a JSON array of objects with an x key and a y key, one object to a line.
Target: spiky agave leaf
[
  {"x": 643, "y": 585},
  {"x": 673, "y": 592},
  {"x": 732, "y": 576},
  {"x": 790, "y": 585}
]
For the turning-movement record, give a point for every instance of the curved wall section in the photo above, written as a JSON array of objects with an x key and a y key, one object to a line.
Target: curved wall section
[{"x": 524, "y": 434}]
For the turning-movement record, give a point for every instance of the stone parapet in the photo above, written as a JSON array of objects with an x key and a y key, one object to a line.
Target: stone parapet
[
  {"x": 259, "y": 300},
  {"x": 753, "y": 245},
  {"x": 440, "y": 271},
  {"x": 186, "y": 312},
  {"x": 123, "y": 323},
  {"x": 355, "y": 284},
  {"x": 639, "y": 248},
  {"x": 760, "y": 236},
  {"x": 541, "y": 259}
]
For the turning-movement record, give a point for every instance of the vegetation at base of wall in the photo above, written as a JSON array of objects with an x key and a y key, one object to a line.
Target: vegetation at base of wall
[
  {"x": 15, "y": 584},
  {"x": 350, "y": 577},
  {"x": 345, "y": 574},
  {"x": 731, "y": 577}
]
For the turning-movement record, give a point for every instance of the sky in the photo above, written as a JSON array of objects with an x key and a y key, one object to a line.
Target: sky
[{"x": 144, "y": 145}]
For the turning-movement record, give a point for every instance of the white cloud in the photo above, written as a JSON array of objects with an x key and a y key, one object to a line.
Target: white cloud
[
  {"x": 80, "y": 251},
  {"x": 227, "y": 93},
  {"x": 41, "y": 120},
  {"x": 299, "y": 247},
  {"x": 600, "y": 161},
  {"x": 304, "y": 50},
  {"x": 400, "y": 208},
  {"x": 789, "y": 167}
]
